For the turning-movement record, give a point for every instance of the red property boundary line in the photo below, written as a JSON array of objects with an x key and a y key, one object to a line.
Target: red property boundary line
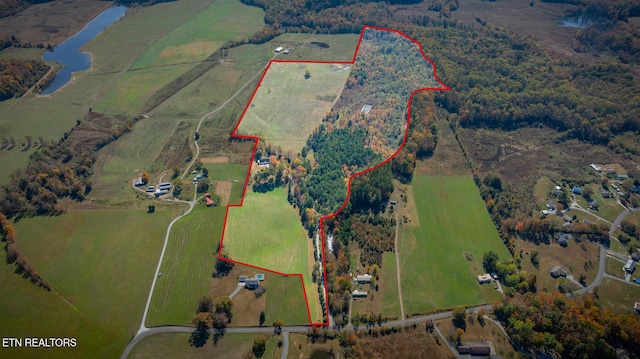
[{"x": 322, "y": 219}]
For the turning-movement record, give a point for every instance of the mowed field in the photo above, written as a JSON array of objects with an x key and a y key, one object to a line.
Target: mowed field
[
  {"x": 287, "y": 107},
  {"x": 186, "y": 267},
  {"x": 176, "y": 346},
  {"x": 266, "y": 232},
  {"x": 101, "y": 265},
  {"x": 203, "y": 34},
  {"x": 452, "y": 221}
]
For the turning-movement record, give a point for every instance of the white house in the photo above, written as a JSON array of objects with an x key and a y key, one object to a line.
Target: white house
[{"x": 279, "y": 48}]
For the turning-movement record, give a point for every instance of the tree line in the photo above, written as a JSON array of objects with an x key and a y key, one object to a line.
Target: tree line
[
  {"x": 568, "y": 328},
  {"x": 15, "y": 256},
  {"x": 61, "y": 169},
  {"x": 17, "y": 76}
]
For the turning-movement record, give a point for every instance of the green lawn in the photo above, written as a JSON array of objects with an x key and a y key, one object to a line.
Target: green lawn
[
  {"x": 287, "y": 106},
  {"x": 389, "y": 287},
  {"x": 453, "y": 220},
  {"x": 100, "y": 262},
  {"x": 187, "y": 266},
  {"x": 229, "y": 172},
  {"x": 204, "y": 33},
  {"x": 176, "y": 346},
  {"x": 266, "y": 232},
  {"x": 285, "y": 301},
  {"x": 341, "y": 48}
]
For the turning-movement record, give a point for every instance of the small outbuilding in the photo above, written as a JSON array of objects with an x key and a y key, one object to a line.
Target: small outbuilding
[
  {"x": 557, "y": 271},
  {"x": 359, "y": 294},
  {"x": 636, "y": 307},
  {"x": 630, "y": 266},
  {"x": 363, "y": 279},
  {"x": 475, "y": 349},
  {"x": 242, "y": 278},
  {"x": 279, "y": 48},
  {"x": 484, "y": 278},
  {"x": 606, "y": 194}
]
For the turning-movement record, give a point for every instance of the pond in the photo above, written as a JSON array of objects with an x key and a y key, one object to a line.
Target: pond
[
  {"x": 579, "y": 22},
  {"x": 68, "y": 53}
]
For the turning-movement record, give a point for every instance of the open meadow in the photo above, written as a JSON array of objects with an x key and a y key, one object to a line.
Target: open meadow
[
  {"x": 291, "y": 101},
  {"x": 618, "y": 297},
  {"x": 186, "y": 267},
  {"x": 203, "y": 34},
  {"x": 176, "y": 346},
  {"x": 435, "y": 272},
  {"x": 266, "y": 232},
  {"x": 95, "y": 300}
]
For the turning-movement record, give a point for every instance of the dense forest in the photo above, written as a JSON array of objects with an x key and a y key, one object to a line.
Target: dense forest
[
  {"x": 17, "y": 76},
  {"x": 567, "y": 328}
]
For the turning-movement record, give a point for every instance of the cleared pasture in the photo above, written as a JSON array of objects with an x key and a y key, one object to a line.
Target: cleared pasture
[
  {"x": 91, "y": 258},
  {"x": 266, "y": 232},
  {"x": 453, "y": 221},
  {"x": 319, "y": 47},
  {"x": 289, "y": 105},
  {"x": 617, "y": 296},
  {"x": 114, "y": 51},
  {"x": 203, "y": 34},
  {"x": 389, "y": 286},
  {"x": 187, "y": 266},
  {"x": 176, "y": 346}
]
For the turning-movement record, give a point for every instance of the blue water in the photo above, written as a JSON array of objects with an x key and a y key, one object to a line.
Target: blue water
[
  {"x": 68, "y": 53},
  {"x": 579, "y": 22}
]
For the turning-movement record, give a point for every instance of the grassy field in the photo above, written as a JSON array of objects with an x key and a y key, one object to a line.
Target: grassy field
[
  {"x": 341, "y": 47},
  {"x": 577, "y": 259},
  {"x": 204, "y": 33},
  {"x": 614, "y": 268},
  {"x": 114, "y": 51},
  {"x": 389, "y": 287},
  {"x": 91, "y": 258},
  {"x": 287, "y": 106},
  {"x": 618, "y": 297},
  {"x": 176, "y": 346},
  {"x": 186, "y": 267},
  {"x": 266, "y": 232},
  {"x": 229, "y": 172},
  {"x": 453, "y": 220}
]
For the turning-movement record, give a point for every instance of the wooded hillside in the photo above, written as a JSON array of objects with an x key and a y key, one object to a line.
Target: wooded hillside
[{"x": 17, "y": 76}]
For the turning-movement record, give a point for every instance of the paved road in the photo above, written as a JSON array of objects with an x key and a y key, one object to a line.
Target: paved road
[
  {"x": 285, "y": 346},
  {"x": 621, "y": 218},
  {"x": 603, "y": 254},
  {"x": 291, "y": 329},
  {"x": 237, "y": 290}
]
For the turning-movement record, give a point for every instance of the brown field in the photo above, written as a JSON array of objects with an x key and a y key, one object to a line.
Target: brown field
[
  {"x": 540, "y": 21},
  {"x": 476, "y": 332},
  {"x": 301, "y": 348},
  {"x": 521, "y": 157},
  {"x": 407, "y": 343},
  {"x": 52, "y": 22},
  {"x": 572, "y": 259},
  {"x": 223, "y": 189},
  {"x": 447, "y": 158},
  {"x": 219, "y": 159}
]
